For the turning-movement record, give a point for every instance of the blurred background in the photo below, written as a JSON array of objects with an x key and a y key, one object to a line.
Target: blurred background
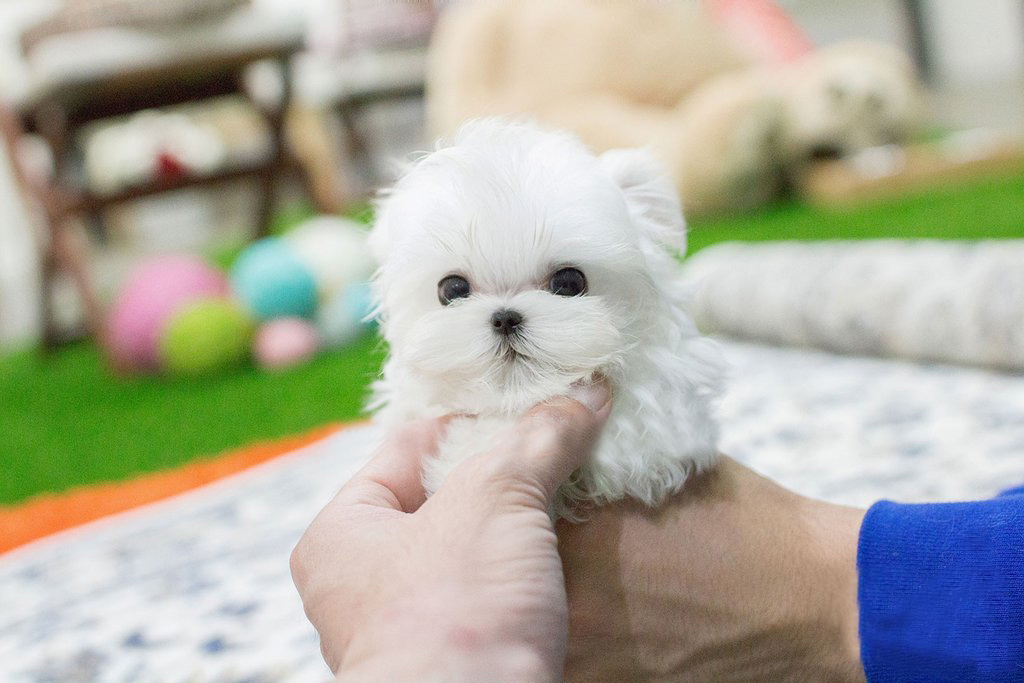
[
  {"x": 185, "y": 192},
  {"x": 184, "y": 185}
]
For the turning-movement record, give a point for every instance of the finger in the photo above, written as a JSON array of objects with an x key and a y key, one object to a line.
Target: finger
[
  {"x": 556, "y": 437},
  {"x": 575, "y": 421},
  {"x": 392, "y": 479}
]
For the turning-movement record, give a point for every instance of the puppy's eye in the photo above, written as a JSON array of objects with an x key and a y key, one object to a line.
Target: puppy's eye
[
  {"x": 568, "y": 282},
  {"x": 451, "y": 288}
]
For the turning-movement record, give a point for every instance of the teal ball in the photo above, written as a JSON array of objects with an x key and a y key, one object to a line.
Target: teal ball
[
  {"x": 360, "y": 301},
  {"x": 272, "y": 282},
  {"x": 343, "y": 318}
]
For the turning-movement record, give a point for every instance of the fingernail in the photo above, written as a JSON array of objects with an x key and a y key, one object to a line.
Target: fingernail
[{"x": 594, "y": 395}]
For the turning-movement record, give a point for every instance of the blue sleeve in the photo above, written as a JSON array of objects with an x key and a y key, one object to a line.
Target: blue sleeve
[{"x": 941, "y": 591}]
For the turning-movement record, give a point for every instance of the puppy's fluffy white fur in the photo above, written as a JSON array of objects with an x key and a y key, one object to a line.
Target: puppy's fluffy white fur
[{"x": 504, "y": 205}]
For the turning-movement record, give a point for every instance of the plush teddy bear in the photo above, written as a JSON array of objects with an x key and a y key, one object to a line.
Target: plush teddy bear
[{"x": 732, "y": 128}]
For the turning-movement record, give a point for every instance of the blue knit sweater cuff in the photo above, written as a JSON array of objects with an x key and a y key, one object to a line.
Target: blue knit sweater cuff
[{"x": 941, "y": 591}]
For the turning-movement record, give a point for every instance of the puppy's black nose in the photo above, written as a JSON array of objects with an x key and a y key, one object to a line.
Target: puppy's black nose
[{"x": 506, "y": 321}]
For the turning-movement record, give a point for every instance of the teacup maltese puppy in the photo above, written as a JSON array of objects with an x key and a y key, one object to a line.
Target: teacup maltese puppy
[{"x": 515, "y": 263}]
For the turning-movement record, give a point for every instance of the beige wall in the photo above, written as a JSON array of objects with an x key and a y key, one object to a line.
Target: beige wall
[
  {"x": 977, "y": 39},
  {"x": 828, "y": 21},
  {"x": 971, "y": 39}
]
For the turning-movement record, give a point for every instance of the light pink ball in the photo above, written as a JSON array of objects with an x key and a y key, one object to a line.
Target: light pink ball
[
  {"x": 150, "y": 296},
  {"x": 284, "y": 342}
]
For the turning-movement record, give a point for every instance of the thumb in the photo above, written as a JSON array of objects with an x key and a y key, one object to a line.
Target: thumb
[{"x": 556, "y": 437}]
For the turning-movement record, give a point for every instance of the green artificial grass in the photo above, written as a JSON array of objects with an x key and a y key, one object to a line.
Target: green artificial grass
[
  {"x": 988, "y": 208},
  {"x": 66, "y": 421}
]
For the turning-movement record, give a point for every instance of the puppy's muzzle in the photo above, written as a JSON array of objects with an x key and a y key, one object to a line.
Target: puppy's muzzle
[{"x": 506, "y": 321}]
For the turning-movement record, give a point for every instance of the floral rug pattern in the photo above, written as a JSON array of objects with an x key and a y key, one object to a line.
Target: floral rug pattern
[{"x": 197, "y": 588}]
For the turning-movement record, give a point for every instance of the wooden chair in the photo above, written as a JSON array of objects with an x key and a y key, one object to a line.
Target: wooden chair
[{"x": 58, "y": 114}]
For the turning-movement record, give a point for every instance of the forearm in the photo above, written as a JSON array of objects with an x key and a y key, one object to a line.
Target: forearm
[{"x": 831, "y": 577}]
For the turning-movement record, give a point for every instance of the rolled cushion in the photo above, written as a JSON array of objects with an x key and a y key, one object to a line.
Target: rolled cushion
[{"x": 950, "y": 301}]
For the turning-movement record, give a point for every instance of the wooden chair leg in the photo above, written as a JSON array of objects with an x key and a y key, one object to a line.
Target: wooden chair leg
[
  {"x": 62, "y": 255},
  {"x": 269, "y": 176},
  {"x": 47, "y": 318},
  {"x": 11, "y": 132},
  {"x": 315, "y": 147},
  {"x": 356, "y": 147},
  {"x": 274, "y": 115},
  {"x": 265, "y": 205}
]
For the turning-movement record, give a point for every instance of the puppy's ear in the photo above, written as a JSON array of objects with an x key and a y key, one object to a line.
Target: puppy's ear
[{"x": 650, "y": 195}]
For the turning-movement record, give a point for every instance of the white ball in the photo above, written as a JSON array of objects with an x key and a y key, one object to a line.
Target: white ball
[{"x": 335, "y": 252}]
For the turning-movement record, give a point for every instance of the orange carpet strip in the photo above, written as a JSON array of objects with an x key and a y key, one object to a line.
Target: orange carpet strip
[{"x": 49, "y": 513}]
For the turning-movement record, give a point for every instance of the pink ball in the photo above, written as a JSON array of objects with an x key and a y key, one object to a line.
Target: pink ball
[
  {"x": 150, "y": 296},
  {"x": 284, "y": 342}
]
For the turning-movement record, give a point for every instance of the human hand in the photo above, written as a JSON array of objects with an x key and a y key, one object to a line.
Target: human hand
[
  {"x": 734, "y": 579},
  {"x": 465, "y": 585}
]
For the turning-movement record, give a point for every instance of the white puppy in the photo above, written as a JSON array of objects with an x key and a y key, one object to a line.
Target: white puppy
[{"x": 515, "y": 263}]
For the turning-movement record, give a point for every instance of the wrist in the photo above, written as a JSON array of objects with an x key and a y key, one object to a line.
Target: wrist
[
  {"x": 429, "y": 640},
  {"x": 834, "y": 532}
]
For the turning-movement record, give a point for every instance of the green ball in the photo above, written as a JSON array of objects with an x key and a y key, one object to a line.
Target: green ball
[{"x": 206, "y": 336}]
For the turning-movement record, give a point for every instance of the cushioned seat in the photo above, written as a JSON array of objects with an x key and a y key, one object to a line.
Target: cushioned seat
[{"x": 58, "y": 63}]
